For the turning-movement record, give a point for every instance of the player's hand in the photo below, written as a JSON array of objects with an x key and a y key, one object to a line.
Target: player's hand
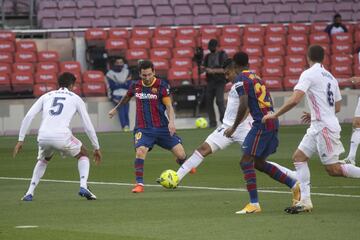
[
  {"x": 172, "y": 128},
  {"x": 112, "y": 112},
  {"x": 354, "y": 80},
  {"x": 268, "y": 117},
  {"x": 229, "y": 132},
  {"x": 306, "y": 118},
  {"x": 97, "y": 157},
  {"x": 17, "y": 148}
]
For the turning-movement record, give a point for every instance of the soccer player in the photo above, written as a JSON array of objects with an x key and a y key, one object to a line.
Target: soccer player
[
  {"x": 323, "y": 135},
  {"x": 153, "y": 125},
  {"x": 355, "y": 136},
  {"x": 217, "y": 141},
  {"x": 58, "y": 108},
  {"x": 261, "y": 140}
]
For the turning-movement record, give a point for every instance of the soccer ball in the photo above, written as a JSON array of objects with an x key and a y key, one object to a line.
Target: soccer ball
[
  {"x": 169, "y": 179},
  {"x": 201, "y": 122}
]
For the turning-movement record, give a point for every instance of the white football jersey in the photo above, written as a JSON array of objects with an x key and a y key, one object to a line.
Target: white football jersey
[
  {"x": 232, "y": 107},
  {"x": 322, "y": 92},
  {"x": 58, "y": 108}
]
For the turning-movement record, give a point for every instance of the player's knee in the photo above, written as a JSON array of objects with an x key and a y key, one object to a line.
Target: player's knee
[
  {"x": 83, "y": 152},
  {"x": 259, "y": 165},
  {"x": 204, "y": 149},
  {"x": 334, "y": 170},
  {"x": 141, "y": 152},
  {"x": 356, "y": 122}
]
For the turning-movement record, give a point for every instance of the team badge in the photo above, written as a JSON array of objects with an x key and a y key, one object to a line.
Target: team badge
[
  {"x": 138, "y": 135},
  {"x": 154, "y": 90}
]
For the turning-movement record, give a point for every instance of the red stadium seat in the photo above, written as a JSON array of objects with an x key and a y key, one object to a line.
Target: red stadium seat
[
  {"x": 203, "y": 41},
  {"x": 139, "y": 43},
  {"x": 5, "y": 68},
  {"x": 252, "y": 50},
  {"x": 318, "y": 27},
  {"x": 177, "y": 76},
  {"x": 185, "y": 42},
  {"x": 42, "y": 88},
  {"x": 162, "y": 42},
  {"x": 272, "y": 71},
  {"x": 273, "y": 83},
  {"x": 341, "y": 70},
  {"x": 181, "y": 63},
  {"x": 45, "y": 77},
  {"x": 4, "y": 82},
  {"x": 94, "y": 89},
  {"x": 253, "y": 39},
  {"x": 23, "y": 67},
  {"x": 7, "y": 35},
  {"x": 343, "y": 81},
  {"x": 186, "y": 32},
  {"x": 77, "y": 89},
  {"x": 7, "y": 46},
  {"x": 27, "y": 57},
  {"x": 326, "y": 47},
  {"x": 93, "y": 76},
  {"x": 357, "y": 36},
  {"x": 164, "y": 53},
  {"x": 202, "y": 80},
  {"x": 341, "y": 38},
  {"x": 338, "y": 59},
  {"x": 116, "y": 46},
  {"x": 26, "y": 46},
  {"x": 47, "y": 67},
  {"x": 290, "y": 82},
  {"x": 93, "y": 34},
  {"x": 298, "y": 28},
  {"x": 22, "y": 82},
  {"x": 274, "y": 50},
  {"x": 136, "y": 54},
  {"x": 275, "y": 29},
  {"x": 184, "y": 52},
  {"x": 165, "y": 32},
  {"x": 116, "y": 33},
  {"x": 210, "y": 30},
  {"x": 296, "y": 49},
  {"x": 296, "y": 60},
  {"x": 320, "y": 37},
  {"x": 70, "y": 66},
  {"x": 230, "y": 40},
  {"x": 6, "y": 57},
  {"x": 274, "y": 60},
  {"x": 254, "y": 62},
  {"x": 48, "y": 56},
  {"x": 162, "y": 66},
  {"x": 297, "y": 39},
  {"x": 342, "y": 48},
  {"x": 293, "y": 70},
  {"x": 232, "y": 30},
  {"x": 356, "y": 58},
  {"x": 357, "y": 69},
  {"x": 278, "y": 39},
  {"x": 141, "y": 33},
  {"x": 254, "y": 29},
  {"x": 230, "y": 50}
]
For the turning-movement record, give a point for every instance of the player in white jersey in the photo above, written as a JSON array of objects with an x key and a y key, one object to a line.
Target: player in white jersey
[
  {"x": 355, "y": 136},
  {"x": 216, "y": 140},
  {"x": 58, "y": 108},
  {"x": 323, "y": 135}
]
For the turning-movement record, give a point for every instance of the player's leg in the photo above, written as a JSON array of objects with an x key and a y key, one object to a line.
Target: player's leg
[
  {"x": 355, "y": 137},
  {"x": 285, "y": 170}
]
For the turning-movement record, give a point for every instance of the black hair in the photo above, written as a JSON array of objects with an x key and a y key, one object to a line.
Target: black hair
[
  {"x": 145, "y": 64},
  {"x": 212, "y": 43},
  {"x": 316, "y": 53},
  {"x": 337, "y": 15},
  {"x": 66, "y": 79},
  {"x": 241, "y": 59},
  {"x": 228, "y": 63},
  {"x": 113, "y": 59}
]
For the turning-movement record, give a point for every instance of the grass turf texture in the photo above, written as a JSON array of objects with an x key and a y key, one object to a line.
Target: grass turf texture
[{"x": 184, "y": 213}]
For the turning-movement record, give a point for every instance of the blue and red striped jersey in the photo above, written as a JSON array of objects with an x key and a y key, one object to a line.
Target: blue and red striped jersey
[
  {"x": 150, "y": 109},
  {"x": 259, "y": 99}
]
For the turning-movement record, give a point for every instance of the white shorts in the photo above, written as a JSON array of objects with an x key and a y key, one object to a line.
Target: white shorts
[
  {"x": 67, "y": 147},
  {"x": 357, "y": 110},
  {"x": 326, "y": 143},
  {"x": 217, "y": 140}
]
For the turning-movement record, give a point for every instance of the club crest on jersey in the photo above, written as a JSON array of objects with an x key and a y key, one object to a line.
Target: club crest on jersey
[
  {"x": 146, "y": 96},
  {"x": 154, "y": 90}
]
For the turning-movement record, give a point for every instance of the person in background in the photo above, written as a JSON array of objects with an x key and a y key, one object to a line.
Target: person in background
[
  {"x": 336, "y": 26},
  {"x": 118, "y": 82}
]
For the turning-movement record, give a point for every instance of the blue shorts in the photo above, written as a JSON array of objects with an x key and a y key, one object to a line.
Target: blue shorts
[
  {"x": 148, "y": 137},
  {"x": 260, "y": 143}
]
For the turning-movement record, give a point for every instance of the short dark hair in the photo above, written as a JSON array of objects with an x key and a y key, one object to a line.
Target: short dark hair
[
  {"x": 212, "y": 43},
  {"x": 228, "y": 63},
  {"x": 337, "y": 15},
  {"x": 66, "y": 79},
  {"x": 113, "y": 59},
  {"x": 241, "y": 59},
  {"x": 316, "y": 53},
  {"x": 145, "y": 64}
]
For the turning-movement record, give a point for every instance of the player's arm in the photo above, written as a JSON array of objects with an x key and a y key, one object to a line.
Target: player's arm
[
  {"x": 337, "y": 106},
  {"x": 90, "y": 131},
  {"x": 170, "y": 113},
  {"x": 26, "y": 122},
  {"x": 242, "y": 113},
  {"x": 294, "y": 100},
  {"x": 354, "y": 79}
]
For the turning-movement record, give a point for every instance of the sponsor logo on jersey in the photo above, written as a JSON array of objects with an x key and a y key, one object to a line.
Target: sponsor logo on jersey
[{"x": 146, "y": 96}]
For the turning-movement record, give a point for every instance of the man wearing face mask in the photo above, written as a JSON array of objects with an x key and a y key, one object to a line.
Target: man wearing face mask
[
  {"x": 117, "y": 79},
  {"x": 216, "y": 81},
  {"x": 336, "y": 26}
]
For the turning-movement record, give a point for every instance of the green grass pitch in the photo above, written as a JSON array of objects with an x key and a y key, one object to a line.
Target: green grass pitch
[{"x": 201, "y": 208}]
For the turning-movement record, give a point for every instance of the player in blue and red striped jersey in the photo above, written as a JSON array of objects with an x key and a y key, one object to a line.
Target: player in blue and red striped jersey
[
  {"x": 153, "y": 125},
  {"x": 262, "y": 140}
]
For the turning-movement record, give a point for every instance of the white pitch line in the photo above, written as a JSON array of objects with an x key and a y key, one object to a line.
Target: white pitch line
[
  {"x": 187, "y": 187},
  {"x": 26, "y": 226}
]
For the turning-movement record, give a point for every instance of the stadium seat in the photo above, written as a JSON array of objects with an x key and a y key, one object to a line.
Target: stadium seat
[
  {"x": 290, "y": 82},
  {"x": 95, "y": 36},
  {"x": 5, "y": 68},
  {"x": 7, "y": 35},
  {"x": 274, "y": 50},
  {"x": 26, "y": 46},
  {"x": 203, "y": 41},
  {"x": 186, "y": 52},
  {"x": 357, "y": 69},
  {"x": 163, "y": 53},
  {"x": 22, "y": 82},
  {"x": 186, "y": 32},
  {"x": 274, "y": 60},
  {"x": 85, "y": 4},
  {"x": 298, "y": 28},
  {"x": 251, "y": 29},
  {"x": 210, "y": 30},
  {"x": 182, "y": 63},
  {"x": 252, "y": 50},
  {"x": 7, "y": 46},
  {"x": 46, "y": 77},
  {"x": 70, "y": 66},
  {"x": 162, "y": 66},
  {"x": 195, "y": 77},
  {"x": 295, "y": 60},
  {"x": 165, "y": 32},
  {"x": 273, "y": 83},
  {"x": 296, "y": 49},
  {"x": 116, "y": 46},
  {"x": 341, "y": 38},
  {"x": 293, "y": 70},
  {"x": 4, "y": 82},
  {"x": 91, "y": 89},
  {"x": 341, "y": 70},
  {"x": 164, "y": 10},
  {"x": 318, "y": 27},
  {"x": 23, "y": 67},
  {"x": 255, "y": 62},
  {"x": 47, "y": 67},
  {"x": 6, "y": 57},
  {"x": 339, "y": 59},
  {"x": 275, "y": 39},
  {"x": 230, "y": 50},
  {"x": 253, "y": 39},
  {"x": 297, "y": 39},
  {"x": 133, "y": 55},
  {"x": 275, "y": 29},
  {"x": 343, "y": 81},
  {"x": 162, "y": 42},
  {"x": 25, "y": 57},
  {"x": 185, "y": 42},
  {"x": 48, "y": 56},
  {"x": 41, "y": 88},
  {"x": 342, "y": 48},
  {"x": 141, "y": 33},
  {"x": 179, "y": 76},
  {"x": 77, "y": 89},
  {"x": 93, "y": 76},
  {"x": 230, "y": 41},
  {"x": 272, "y": 71},
  {"x": 320, "y": 37},
  {"x": 232, "y": 30},
  {"x": 139, "y": 43},
  {"x": 115, "y": 33}
]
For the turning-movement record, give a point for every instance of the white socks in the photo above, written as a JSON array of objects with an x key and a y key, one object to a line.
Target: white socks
[
  {"x": 193, "y": 162},
  {"x": 285, "y": 170},
  {"x": 303, "y": 176},
  {"x": 350, "y": 170},
  {"x": 84, "y": 168},
  {"x": 355, "y": 140},
  {"x": 38, "y": 173}
]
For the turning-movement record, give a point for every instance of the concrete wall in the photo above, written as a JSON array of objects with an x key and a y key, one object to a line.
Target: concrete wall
[{"x": 13, "y": 111}]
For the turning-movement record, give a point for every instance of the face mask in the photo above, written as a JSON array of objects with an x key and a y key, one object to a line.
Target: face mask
[
  {"x": 117, "y": 68},
  {"x": 337, "y": 24},
  {"x": 212, "y": 49}
]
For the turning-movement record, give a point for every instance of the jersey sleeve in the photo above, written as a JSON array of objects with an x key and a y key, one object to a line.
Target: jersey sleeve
[
  {"x": 303, "y": 83},
  {"x": 88, "y": 126},
  {"x": 25, "y": 124},
  {"x": 337, "y": 96},
  {"x": 131, "y": 90}
]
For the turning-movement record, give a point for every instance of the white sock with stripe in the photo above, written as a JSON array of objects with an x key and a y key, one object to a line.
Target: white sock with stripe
[
  {"x": 303, "y": 176},
  {"x": 84, "y": 168},
  {"x": 354, "y": 143},
  {"x": 350, "y": 170},
  {"x": 38, "y": 173},
  {"x": 192, "y": 162}
]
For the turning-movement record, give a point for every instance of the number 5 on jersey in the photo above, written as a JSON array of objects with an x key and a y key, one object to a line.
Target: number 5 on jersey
[{"x": 57, "y": 106}]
